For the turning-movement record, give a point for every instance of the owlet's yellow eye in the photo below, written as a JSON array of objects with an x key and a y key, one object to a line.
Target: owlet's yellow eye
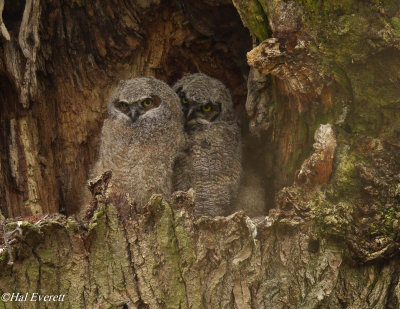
[
  {"x": 206, "y": 108},
  {"x": 147, "y": 102},
  {"x": 184, "y": 100}
]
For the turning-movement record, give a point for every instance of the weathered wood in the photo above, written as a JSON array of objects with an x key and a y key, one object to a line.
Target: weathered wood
[
  {"x": 323, "y": 135},
  {"x": 59, "y": 66},
  {"x": 165, "y": 258}
]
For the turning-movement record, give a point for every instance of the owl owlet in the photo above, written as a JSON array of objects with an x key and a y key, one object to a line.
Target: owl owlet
[
  {"x": 211, "y": 164},
  {"x": 141, "y": 138}
]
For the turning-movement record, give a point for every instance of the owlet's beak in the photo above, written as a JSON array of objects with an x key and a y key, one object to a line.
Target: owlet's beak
[
  {"x": 134, "y": 113},
  {"x": 191, "y": 113}
]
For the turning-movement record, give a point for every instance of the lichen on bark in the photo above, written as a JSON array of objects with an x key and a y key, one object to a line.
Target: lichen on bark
[
  {"x": 332, "y": 238},
  {"x": 165, "y": 258},
  {"x": 348, "y": 51}
]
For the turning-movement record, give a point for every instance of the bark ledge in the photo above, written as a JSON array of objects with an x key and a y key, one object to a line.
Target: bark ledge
[{"x": 165, "y": 258}]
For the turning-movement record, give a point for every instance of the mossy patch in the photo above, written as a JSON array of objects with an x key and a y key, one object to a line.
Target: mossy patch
[
  {"x": 185, "y": 241},
  {"x": 334, "y": 206},
  {"x": 168, "y": 242},
  {"x": 3, "y": 258},
  {"x": 396, "y": 25},
  {"x": 253, "y": 17},
  {"x": 376, "y": 94},
  {"x": 72, "y": 225},
  {"x": 98, "y": 214}
]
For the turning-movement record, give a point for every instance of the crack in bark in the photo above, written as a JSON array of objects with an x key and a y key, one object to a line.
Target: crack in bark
[
  {"x": 28, "y": 39},
  {"x": 140, "y": 302},
  {"x": 392, "y": 300},
  {"x": 179, "y": 257},
  {"x": 39, "y": 279}
]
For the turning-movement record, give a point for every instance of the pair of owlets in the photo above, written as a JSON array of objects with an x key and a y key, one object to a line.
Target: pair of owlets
[{"x": 159, "y": 140}]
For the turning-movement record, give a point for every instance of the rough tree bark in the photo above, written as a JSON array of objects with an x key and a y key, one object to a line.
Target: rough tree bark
[
  {"x": 53, "y": 98},
  {"x": 321, "y": 129}
]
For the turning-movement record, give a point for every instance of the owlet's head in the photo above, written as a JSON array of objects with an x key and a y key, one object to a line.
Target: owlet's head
[
  {"x": 203, "y": 99},
  {"x": 141, "y": 97}
]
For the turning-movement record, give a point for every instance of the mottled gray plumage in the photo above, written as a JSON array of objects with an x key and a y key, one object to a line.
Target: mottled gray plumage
[
  {"x": 211, "y": 164},
  {"x": 139, "y": 144}
]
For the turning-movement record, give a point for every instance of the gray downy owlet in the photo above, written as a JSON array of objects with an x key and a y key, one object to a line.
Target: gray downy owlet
[
  {"x": 141, "y": 138},
  {"x": 211, "y": 164}
]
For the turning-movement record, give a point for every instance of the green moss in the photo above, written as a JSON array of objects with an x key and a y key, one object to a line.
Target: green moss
[
  {"x": 396, "y": 25},
  {"x": 346, "y": 181},
  {"x": 331, "y": 218},
  {"x": 11, "y": 226},
  {"x": 168, "y": 242},
  {"x": 3, "y": 258},
  {"x": 253, "y": 17},
  {"x": 389, "y": 216},
  {"x": 185, "y": 242},
  {"x": 376, "y": 95},
  {"x": 333, "y": 208},
  {"x": 349, "y": 30},
  {"x": 327, "y": 5},
  {"x": 109, "y": 259},
  {"x": 72, "y": 225},
  {"x": 25, "y": 226},
  {"x": 319, "y": 11},
  {"x": 98, "y": 215}
]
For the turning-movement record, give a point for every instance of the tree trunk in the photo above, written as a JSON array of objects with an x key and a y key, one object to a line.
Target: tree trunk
[{"x": 321, "y": 136}]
